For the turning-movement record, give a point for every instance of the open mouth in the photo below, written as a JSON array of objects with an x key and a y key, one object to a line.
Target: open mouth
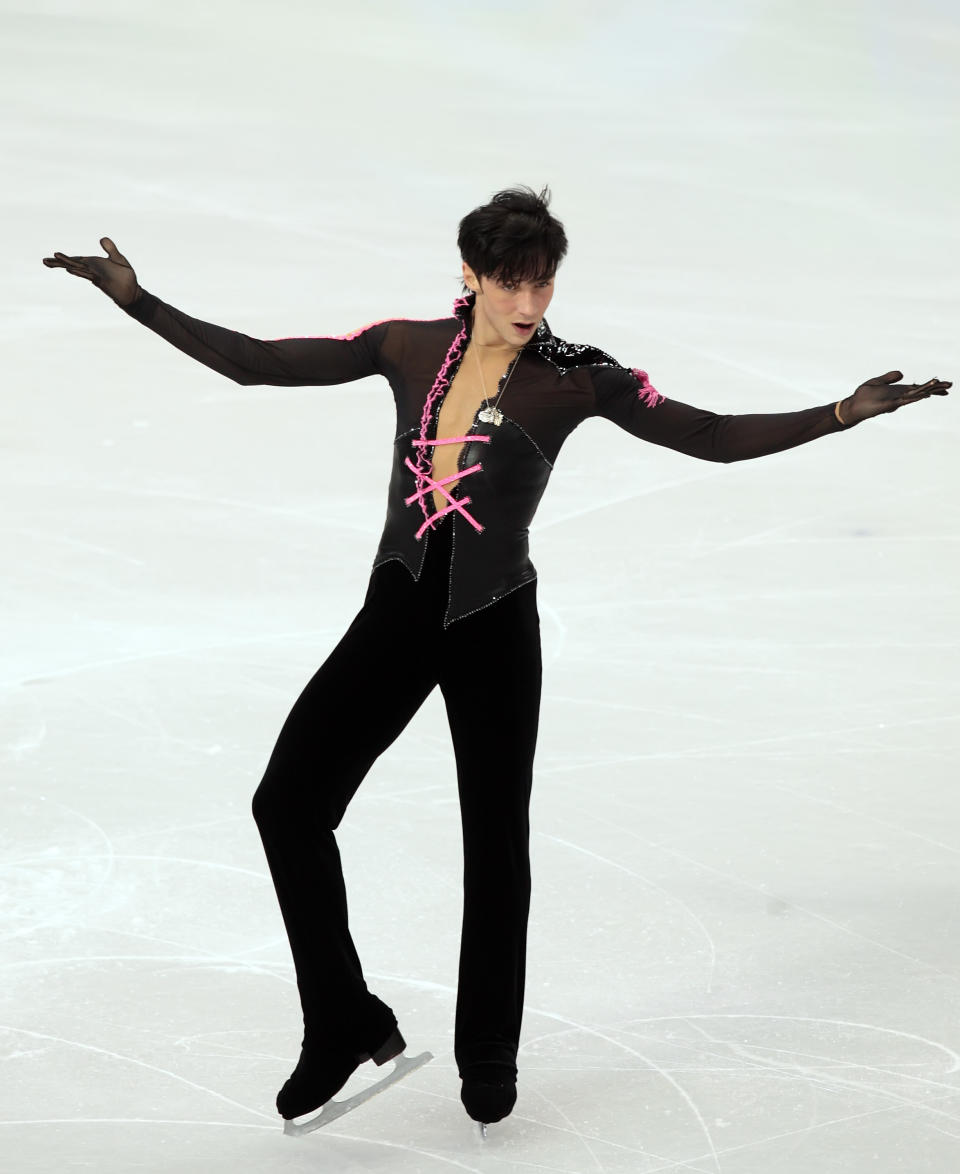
[{"x": 524, "y": 327}]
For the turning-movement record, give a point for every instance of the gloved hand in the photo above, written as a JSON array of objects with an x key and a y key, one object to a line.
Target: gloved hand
[
  {"x": 113, "y": 273},
  {"x": 884, "y": 394}
]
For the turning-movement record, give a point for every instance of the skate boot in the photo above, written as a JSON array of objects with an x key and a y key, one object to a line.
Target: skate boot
[
  {"x": 322, "y": 1071},
  {"x": 489, "y": 1092}
]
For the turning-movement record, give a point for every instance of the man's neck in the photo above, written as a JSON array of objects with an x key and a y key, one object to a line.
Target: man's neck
[{"x": 490, "y": 344}]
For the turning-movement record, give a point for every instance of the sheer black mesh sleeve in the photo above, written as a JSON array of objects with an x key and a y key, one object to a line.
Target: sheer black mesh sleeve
[
  {"x": 697, "y": 432},
  {"x": 282, "y": 362}
]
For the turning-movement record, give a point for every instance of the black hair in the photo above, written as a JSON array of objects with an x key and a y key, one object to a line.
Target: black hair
[{"x": 513, "y": 237}]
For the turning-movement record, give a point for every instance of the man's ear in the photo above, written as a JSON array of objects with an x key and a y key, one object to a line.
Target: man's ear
[{"x": 471, "y": 280}]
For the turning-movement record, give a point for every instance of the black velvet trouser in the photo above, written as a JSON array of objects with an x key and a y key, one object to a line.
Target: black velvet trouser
[{"x": 395, "y": 651}]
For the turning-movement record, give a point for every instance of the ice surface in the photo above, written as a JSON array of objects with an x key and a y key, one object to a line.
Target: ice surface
[{"x": 744, "y": 953}]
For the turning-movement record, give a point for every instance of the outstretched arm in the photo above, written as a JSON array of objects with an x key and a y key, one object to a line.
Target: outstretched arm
[
  {"x": 285, "y": 362},
  {"x": 640, "y": 410}
]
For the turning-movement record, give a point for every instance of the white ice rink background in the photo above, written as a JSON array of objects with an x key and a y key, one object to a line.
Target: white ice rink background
[{"x": 744, "y": 952}]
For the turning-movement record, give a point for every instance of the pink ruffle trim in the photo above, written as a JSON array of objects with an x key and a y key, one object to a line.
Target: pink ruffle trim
[
  {"x": 647, "y": 393},
  {"x": 424, "y": 460}
]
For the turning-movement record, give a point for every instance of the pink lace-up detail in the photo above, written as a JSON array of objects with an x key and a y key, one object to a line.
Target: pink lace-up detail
[
  {"x": 647, "y": 393},
  {"x": 426, "y": 483},
  {"x": 450, "y": 440},
  {"x": 423, "y": 469}
]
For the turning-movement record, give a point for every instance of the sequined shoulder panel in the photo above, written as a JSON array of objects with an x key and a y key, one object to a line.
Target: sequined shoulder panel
[{"x": 567, "y": 356}]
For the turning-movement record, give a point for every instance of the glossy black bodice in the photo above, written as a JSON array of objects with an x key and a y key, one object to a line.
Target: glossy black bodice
[{"x": 554, "y": 387}]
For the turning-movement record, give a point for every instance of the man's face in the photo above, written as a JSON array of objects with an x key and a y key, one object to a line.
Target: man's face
[{"x": 510, "y": 311}]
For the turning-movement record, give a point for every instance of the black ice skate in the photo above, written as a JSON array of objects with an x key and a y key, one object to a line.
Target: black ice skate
[
  {"x": 488, "y": 1093},
  {"x": 319, "y": 1076}
]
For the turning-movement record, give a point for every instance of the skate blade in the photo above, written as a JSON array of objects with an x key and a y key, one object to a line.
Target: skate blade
[
  {"x": 483, "y": 1132},
  {"x": 402, "y": 1066}
]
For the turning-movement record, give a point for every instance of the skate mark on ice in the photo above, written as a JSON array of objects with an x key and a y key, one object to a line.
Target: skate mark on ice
[
  {"x": 545, "y": 1035},
  {"x": 147, "y": 858},
  {"x": 276, "y": 943},
  {"x": 313, "y": 517},
  {"x": 708, "y": 549},
  {"x": 81, "y": 890},
  {"x": 844, "y": 929},
  {"x": 659, "y": 710},
  {"x": 801, "y": 1074},
  {"x": 187, "y": 652},
  {"x": 27, "y": 742},
  {"x": 145, "y": 718},
  {"x": 218, "y": 867},
  {"x": 211, "y": 1044},
  {"x": 832, "y": 1067},
  {"x": 845, "y": 733},
  {"x": 573, "y": 1132},
  {"x": 405, "y": 797},
  {"x": 623, "y": 498},
  {"x": 711, "y": 945},
  {"x": 140, "y": 1121},
  {"x": 947, "y": 1052},
  {"x": 169, "y": 829},
  {"x": 72, "y": 1043},
  {"x": 866, "y": 816},
  {"x": 764, "y": 892},
  {"x": 190, "y": 961},
  {"x": 69, "y": 914},
  {"x": 806, "y": 1131},
  {"x": 410, "y": 1149},
  {"x": 109, "y": 855},
  {"x": 149, "y": 718},
  {"x": 572, "y": 1129},
  {"x": 763, "y": 535},
  {"x": 666, "y": 1076},
  {"x": 803, "y": 1131},
  {"x": 737, "y": 748},
  {"x": 870, "y": 1028},
  {"x": 52, "y": 536},
  {"x": 831, "y": 1079}
]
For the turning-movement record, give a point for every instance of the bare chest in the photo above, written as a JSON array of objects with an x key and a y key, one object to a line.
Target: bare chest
[{"x": 464, "y": 398}]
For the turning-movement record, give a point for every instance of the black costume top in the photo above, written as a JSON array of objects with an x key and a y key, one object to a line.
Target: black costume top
[{"x": 503, "y": 467}]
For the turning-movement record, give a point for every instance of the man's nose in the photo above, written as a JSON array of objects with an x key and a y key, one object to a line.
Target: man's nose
[{"x": 527, "y": 307}]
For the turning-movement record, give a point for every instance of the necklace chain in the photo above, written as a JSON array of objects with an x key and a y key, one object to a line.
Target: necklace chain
[{"x": 492, "y": 415}]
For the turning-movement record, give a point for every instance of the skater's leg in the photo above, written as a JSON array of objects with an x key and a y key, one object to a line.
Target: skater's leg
[
  {"x": 493, "y": 704},
  {"x": 354, "y": 707}
]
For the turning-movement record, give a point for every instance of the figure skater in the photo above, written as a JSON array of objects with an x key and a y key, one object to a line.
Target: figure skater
[{"x": 485, "y": 398}]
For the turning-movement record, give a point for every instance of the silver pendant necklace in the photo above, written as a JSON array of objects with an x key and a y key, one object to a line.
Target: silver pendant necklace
[{"x": 492, "y": 414}]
